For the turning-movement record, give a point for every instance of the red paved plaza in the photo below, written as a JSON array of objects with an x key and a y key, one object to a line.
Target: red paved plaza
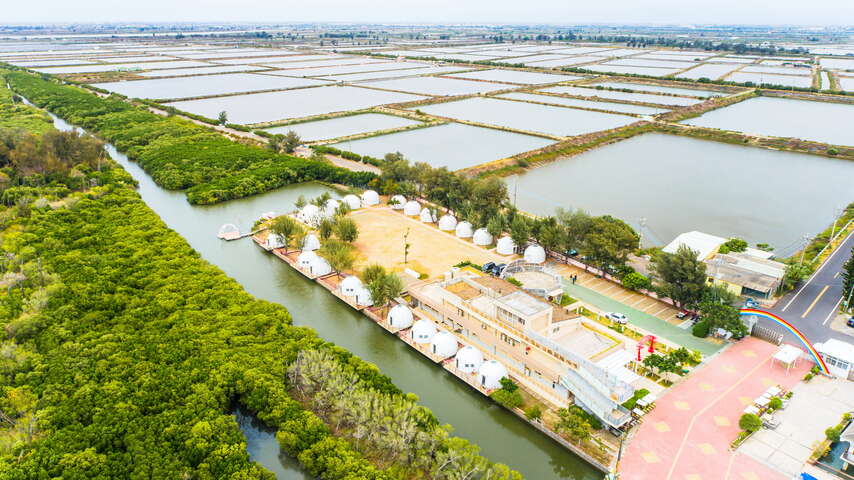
[{"x": 687, "y": 435}]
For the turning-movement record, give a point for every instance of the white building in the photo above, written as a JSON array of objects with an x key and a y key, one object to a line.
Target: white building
[
  {"x": 423, "y": 331},
  {"x": 447, "y": 223},
  {"x": 370, "y": 197},
  {"x": 400, "y": 316},
  {"x": 464, "y": 230},
  {"x": 468, "y": 359},
  {"x": 482, "y": 237},
  {"x": 838, "y": 356},
  {"x": 505, "y": 246},
  {"x": 491, "y": 373}
]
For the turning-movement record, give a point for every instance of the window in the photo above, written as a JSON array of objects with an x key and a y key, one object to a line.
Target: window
[
  {"x": 508, "y": 339},
  {"x": 461, "y": 313}
]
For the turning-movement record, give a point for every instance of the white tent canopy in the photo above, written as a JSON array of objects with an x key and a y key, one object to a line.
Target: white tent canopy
[
  {"x": 397, "y": 202},
  {"x": 505, "y": 246},
  {"x": 535, "y": 254},
  {"x": 464, "y": 230},
  {"x": 427, "y": 216},
  {"x": 482, "y": 237},
  {"x": 352, "y": 201},
  {"x": 412, "y": 208},
  {"x": 370, "y": 197},
  {"x": 447, "y": 223},
  {"x": 788, "y": 355}
]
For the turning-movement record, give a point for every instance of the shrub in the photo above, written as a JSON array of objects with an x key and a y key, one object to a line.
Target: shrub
[
  {"x": 510, "y": 400},
  {"x": 635, "y": 281},
  {"x": 749, "y": 422},
  {"x": 514, "y": 281},
  {"x": 775, "y": 403},
  {"x": 833, "y": 433},
  {"x": 533, "y": 412},
  {"x": 832, "y": 151},
  {"x": 701, "y": 329}
]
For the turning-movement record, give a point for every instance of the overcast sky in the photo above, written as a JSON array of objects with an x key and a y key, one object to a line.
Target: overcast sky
[{"x": 814, "y": 12}]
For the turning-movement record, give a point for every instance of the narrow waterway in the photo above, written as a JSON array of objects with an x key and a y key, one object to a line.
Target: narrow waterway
[{"x": 501, "y": 436}]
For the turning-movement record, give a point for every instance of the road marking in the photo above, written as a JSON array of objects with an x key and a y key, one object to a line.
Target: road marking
[
  {"x": 826, "y": 261},
  {"x": 837, "y": 275},
  {"x": 832, "y": 312},
  {"x": 815, "y": 301}
]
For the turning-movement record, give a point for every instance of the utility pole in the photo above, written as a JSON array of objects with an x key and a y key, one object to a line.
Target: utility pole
[
  {"x": 642, "y": 223},
  {"x": 804, "y": 249},
  {"x": 835, "y": 219}
]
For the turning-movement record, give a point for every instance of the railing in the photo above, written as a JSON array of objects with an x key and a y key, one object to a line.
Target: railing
[{"x": 612, "y": 413}]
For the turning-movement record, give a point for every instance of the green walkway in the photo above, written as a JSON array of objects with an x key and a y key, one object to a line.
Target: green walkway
[{"x": 643, "y": 320}]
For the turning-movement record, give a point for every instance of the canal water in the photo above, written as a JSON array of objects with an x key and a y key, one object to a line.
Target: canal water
[{"x": 501, "y": 436}]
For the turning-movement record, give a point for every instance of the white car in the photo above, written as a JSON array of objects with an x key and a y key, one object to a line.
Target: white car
[{"x": 617, "y": 318}]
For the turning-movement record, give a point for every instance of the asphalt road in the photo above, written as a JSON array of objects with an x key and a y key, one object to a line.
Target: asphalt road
[{"x": 813, "y": 305}]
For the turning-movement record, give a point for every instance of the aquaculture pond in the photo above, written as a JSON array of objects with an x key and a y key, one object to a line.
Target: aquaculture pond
[
  {"x": 500, "y": 435},
  {"x": 528, "y": 116},
  {"x": 453, "y": 145},
  {"x": 208, "y": 85},
  {"x": 643, "y": 87},
  {"x": 712, "y": 71},
  {"x": 679, "y": 184},
  {"x": 780, "y": 117},
  {"x": 770, "y": 79},
  {"x": 435, "y": 86},
  {"x": 631, "y": 97},
  {"x": 574, "y": 102},
  {"x": 655, "y": 72},
  {"x": 269, "y": 106},
  {"x": 94, "y": 68},
  {"x": 344, "y": 126},
  {"x": 512, "y": 76},
  {"x": 174, "y": 72}
]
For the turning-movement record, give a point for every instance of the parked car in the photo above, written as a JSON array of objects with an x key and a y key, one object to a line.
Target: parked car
[
  {"x": 750, "y": 303},
  {"x": 487, "y": 267},
  {"x": 682, "y": 314},
  {"x": 571, "y": 252},
  {"x": 498, "y": 268},
  {"x": 617, "y": 318},
  {"x": 850, "y": 322}
]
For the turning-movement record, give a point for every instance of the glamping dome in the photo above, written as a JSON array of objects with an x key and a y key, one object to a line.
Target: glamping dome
[
  {"x": 306, "y": 259},
  {"x": 320, "y": 267},
  {"x": 464, "y": 230},
  {"x": 491, "y": 373},
  {"x": 412, "y": 208},
  {"x": 427, "y": 216},
  {"x": 400, "y": 316},
  {"x": 397, "y": 202},
  {"x": 535, "y": 254},
  {"x": 505, "y": 246},
  {"x": 444, "y": 344},
  {"x": 363, "y": 297},
  {"x": 350, "y": 285},
  {"x": 310, "y": 242},
  {"x": 309, "y": 214},
  {"x": 447, "y": 223},
  {"x": 482, "y": 237},
  {"x": 423, "y": 331},
  {"x": 274, "y": 241},
  {"x": 370, "y": 197},
  {"x": 352, "y": 201},
  {"x": 468, "y": 359},
  {"x": 330, "y": 207}
]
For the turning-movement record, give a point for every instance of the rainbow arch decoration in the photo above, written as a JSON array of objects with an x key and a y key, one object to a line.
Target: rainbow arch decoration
[{"x": 788, "y": 326}]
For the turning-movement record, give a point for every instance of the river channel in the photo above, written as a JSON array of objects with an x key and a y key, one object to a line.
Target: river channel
[{"x": 501, "y": 436}]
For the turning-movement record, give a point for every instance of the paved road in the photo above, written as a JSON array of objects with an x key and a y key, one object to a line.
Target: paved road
[{"x": 812, "y": 306}]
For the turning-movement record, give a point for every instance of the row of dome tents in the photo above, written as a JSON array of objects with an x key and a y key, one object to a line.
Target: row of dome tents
[
  {"x": 444, "y": 344},
  {"x": 312, "y": 214}
]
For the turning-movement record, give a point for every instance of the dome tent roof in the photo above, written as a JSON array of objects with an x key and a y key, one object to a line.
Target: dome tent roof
[
  {"x": 400, "y": 316},
  {"x": 444, "y": 344},
  {"x": 447, "y": 223},
  {"x": 306, "y": 258},
  {"x": 505, "y": 246},
  {"x": 412, "y": 208},
  {"x": 491, "y": 373},
  {"x": 427, "y": 216},
  {"x": 370, "y": 197},
  {"x": 397, "y": 202},
  {"x": 350, "y": 285},
  {"x": 309, "y": 214},
  {"x": 363, "y": 297},
  {"x": 310, "y": 242},
  {"x": 423, "y": 331},
  {"x": 482, "y": 237},
  {"x": 463, "y": 230},
  {"x": 469, "y": 359},
  {"x": 535, "y": 254},
  {"x": 352, "y": 201},
  {"x": 320, "y": 267},
  {"x": 330, "y": 207},
  {"x": 274, "y": 240}
]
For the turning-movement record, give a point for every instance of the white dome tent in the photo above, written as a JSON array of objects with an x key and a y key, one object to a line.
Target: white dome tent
[
  {"x": 309, "y": 214},
  {"x": 400, "y": 316},
  {"x": 491, "y": 373},
  {"x": 363, "y": 297},
  {"x": 370, "y": 197},
  {"x": 350, "y": 286},
  {"x": 320, "y": 267},
  {"x": 352, "y": 201},
  {"x": 535, "y": 254},
  {"x": 397, "y": 202},
  {"x": 412, "y": 208},
  {"x": 427, "y": 216},
  {"x": 463, "y": 230},
  {"x": 330, "y": 207},
  {"x": 468, "y": 359},
  {"x": 310, "y": 242},
  {"x": 274, "y": 241},
  {"x": 305, "y": 260},
  {"x": 505, "y": 246},
  {"x": 444, "y": 344},
  {"x": 482, "y": 237},
  {"x": 447, "y": 223},
  {"x": 423, "y": 331},
  {"x": 229, "y": 231}
]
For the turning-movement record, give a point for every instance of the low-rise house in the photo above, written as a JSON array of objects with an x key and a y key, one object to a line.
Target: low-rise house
[
  {"x": 838, "y": 356},
  {"x": 546, "y": 347}
]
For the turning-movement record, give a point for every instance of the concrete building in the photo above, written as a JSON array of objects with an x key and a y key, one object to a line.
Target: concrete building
[
  {"x": 838, "y": 356},
  {"x": 547, "y": 348}
]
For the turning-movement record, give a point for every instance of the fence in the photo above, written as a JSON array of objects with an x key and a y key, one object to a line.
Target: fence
[{"x": 767, "y": 334}]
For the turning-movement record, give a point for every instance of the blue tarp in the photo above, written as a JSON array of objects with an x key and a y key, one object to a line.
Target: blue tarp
[{"x": 807, "y": 476}]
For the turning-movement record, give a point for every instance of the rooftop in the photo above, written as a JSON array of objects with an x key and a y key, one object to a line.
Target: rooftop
[
  {"x": 523, "y": 303},
  {"x": 755, "y": 273},
  {"x": 706, "y": 245}
]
